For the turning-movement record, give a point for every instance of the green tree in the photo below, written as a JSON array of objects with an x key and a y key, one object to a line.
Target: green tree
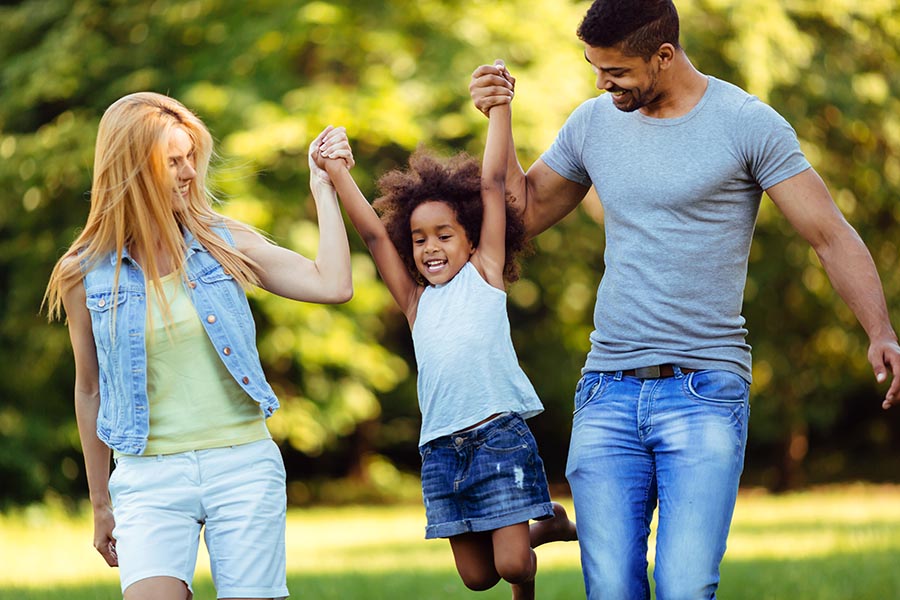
[{"x": 267, "y": 76}]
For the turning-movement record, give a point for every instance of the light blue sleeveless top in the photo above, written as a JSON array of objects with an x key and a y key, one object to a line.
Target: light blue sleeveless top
[{"x": 468, "y": 369}]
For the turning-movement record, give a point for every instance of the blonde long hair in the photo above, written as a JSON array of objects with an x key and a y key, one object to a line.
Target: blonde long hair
[{"x": 131, "y": 199}]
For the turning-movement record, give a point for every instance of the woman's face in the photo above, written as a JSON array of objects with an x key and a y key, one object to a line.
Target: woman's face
[{"x": 181, "y": 162}]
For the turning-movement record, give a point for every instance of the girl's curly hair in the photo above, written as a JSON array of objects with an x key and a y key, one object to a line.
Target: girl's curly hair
[{"x": 455, "y": 181}]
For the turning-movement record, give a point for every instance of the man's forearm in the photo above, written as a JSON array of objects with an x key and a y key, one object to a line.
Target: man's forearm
[{"x": 853, "y": 275}]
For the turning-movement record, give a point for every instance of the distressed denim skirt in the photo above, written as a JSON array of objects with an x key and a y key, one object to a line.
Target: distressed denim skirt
[{"x": 483, "y": 479}]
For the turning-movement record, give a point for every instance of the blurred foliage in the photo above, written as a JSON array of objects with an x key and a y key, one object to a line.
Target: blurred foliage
[{"x": 266, "y": 76}]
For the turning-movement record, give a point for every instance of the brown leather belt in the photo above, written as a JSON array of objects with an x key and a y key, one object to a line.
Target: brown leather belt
[{"x": 655, "y": 372}]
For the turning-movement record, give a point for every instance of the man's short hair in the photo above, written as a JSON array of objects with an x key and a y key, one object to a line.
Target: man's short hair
[{"x": 636, "y": 27}]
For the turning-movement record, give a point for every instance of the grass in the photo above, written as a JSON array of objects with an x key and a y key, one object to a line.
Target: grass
[{"x": 829, "y": 544}]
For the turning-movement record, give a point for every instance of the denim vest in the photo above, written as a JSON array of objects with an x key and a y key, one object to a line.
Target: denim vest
[{"x": 123, "y": 422}]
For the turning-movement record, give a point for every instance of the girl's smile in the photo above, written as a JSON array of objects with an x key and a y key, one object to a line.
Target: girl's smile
[{"x": 440, "y": 244}]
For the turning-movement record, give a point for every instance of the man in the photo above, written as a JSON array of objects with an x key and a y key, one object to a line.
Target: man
[{"x": 680, "y": 161}]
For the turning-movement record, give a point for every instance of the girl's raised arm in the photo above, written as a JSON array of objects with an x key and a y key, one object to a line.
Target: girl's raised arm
[
  {"x": 490, "y": 256},
  {"x": 400, "y": 283}
]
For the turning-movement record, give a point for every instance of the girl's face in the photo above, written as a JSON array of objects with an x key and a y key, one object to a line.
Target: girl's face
[
  {"x": 180, "y": 160},
  {"x": 440, "y": 244}
]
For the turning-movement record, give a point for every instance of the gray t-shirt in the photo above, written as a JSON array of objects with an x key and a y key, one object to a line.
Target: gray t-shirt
[{"x": 680, "y": 199}]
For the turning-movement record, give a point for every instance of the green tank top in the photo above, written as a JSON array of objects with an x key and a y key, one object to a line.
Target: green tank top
[{"x": 195, "y": 404}]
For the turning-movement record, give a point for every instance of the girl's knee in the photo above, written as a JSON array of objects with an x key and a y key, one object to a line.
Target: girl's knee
[
  {"x": 478, "y": 582},
  {"x": 518, "y": 568}
]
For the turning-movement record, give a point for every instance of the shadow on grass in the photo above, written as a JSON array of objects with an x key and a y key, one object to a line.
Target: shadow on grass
[
  {"x": 558, "y": 584},
  {"x": 845, "y": 576}
]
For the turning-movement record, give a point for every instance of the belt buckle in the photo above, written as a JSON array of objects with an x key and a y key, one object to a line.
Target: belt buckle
[{"x": 647, "y": 372}]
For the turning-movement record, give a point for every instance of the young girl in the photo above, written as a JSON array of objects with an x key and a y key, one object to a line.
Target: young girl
[
  {"x": 167, "y": 373},
  {"x": 445, "y": 249}
]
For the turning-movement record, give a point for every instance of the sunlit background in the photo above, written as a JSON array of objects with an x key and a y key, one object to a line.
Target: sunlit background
[{"x": 266, "y": 76}]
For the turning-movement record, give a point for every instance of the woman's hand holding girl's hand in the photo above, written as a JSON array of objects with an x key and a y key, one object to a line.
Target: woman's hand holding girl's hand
[
  {"x": 317, "y": 173},
  {"x": 329, "y": 149},
  {"x": 336, "y": 147}
]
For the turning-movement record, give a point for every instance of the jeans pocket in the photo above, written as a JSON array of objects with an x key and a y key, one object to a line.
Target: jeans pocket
[
  {"x": 507, "y": 439},
  {"x": 717, "y": 387},
  {"x": 588, "y": 387}
]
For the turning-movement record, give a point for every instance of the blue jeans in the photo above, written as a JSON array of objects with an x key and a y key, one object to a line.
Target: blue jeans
[{"x": 677, "y": 442}]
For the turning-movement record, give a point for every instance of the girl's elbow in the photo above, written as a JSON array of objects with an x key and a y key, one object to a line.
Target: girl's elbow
[
  {"x": 493, "y": 185},
  {"x": 493, "y": 179}
]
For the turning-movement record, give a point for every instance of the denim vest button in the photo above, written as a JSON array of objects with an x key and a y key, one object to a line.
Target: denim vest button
[
  {"x": 246, "y": 380},
  {"x": 211, "y": 319},
  {"x": 102, "y": 303},
  {"x": 226, "y": 351},
  {"x": 192, "y": 284}
]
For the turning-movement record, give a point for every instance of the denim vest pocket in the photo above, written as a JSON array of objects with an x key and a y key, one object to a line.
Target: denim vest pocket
[
  {"x": 224, "y": 291},
  {"x": 216, "y": 273},
  {"x": 100, "y": 305}
]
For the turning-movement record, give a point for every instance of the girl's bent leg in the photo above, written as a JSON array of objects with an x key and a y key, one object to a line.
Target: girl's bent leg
[
  {"x": 514, "y": 559},
  {"x": 474, "y": 556},
  {"x": 558, "y": 528}
]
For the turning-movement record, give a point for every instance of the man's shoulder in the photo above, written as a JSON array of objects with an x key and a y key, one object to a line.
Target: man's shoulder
[
  {"x": 741, "y": 105},
  {"x": 586, "y": 114},
  {"x": 591, "y": 105},
  {"x": 725, "y": 92}
]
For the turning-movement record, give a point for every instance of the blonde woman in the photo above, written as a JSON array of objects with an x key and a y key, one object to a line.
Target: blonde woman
[{"x": 167, "y": 373}]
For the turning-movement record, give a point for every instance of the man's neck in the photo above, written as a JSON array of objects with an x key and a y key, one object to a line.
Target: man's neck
[{"x": 681, "y": 86}]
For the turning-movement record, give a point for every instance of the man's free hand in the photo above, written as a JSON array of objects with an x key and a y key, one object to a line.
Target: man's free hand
[{"x": 885, "y": 360}]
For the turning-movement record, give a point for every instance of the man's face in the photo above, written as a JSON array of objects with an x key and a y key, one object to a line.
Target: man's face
[{"x": 632, "y": 81}]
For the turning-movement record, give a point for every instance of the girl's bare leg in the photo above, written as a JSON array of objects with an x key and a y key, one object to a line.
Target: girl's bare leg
[
  {"x": 557, "y": 528},
  {"x": 474, "y": 556},
  {"x": 514, "y": 559}
]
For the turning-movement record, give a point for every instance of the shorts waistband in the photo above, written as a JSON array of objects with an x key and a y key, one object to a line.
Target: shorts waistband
[{"x": 479, "y": 433}]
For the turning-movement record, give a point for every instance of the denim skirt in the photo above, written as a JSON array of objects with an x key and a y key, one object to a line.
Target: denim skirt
[{"x": 483, "y": 479}]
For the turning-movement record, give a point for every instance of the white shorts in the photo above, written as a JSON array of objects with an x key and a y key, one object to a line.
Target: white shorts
[{"x": 160, "y": 503}]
